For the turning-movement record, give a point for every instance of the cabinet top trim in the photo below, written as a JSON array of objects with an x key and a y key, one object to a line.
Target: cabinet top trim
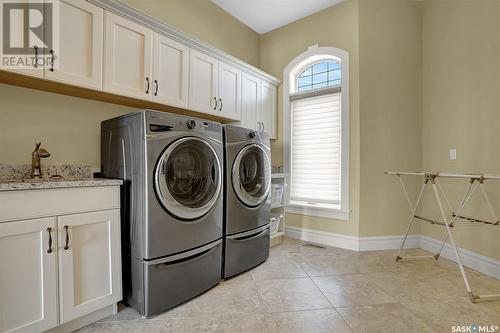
[{"x": 128, "y": 12}]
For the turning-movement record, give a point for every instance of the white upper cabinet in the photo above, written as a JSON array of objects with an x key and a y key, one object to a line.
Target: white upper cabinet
[
  {"x": 203, "y": 83},
  {"x": 258, "y": 109},
  {"x": 229, "y": 99},
  {"x": 89, "y": 260},
  {"x": 170, "y": 72},
  {"x": 268, "y": 108},
  {"x": 127, "y": 58},
  {"x": 77, "y": 46},
  {"x": 17, "y": 40},
  {"x": 97, "y": 49},
  {"x": 28, "y": 278},
  {"x": 250, "y": 102}
]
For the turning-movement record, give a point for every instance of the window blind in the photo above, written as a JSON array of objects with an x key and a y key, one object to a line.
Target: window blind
[{"x": 315, "y": 149}]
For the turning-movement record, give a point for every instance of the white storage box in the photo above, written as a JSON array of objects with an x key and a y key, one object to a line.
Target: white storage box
[
  {"x": 275, "y": 222},
  {"x": 277, "y": 195}
]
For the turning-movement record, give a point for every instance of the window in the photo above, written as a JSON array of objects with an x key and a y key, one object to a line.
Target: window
[
  {"x": 316, "y": 139},
  {"x": 321, "y": 75}
]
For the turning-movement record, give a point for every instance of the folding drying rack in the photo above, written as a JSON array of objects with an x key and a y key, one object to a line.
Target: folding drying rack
[{"x": 431, "y": 178}]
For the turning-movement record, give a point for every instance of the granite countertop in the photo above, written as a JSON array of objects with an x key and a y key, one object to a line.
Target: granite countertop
[
  {"x": 16, "y": 177},
  {"x": 39, "y": 184}
]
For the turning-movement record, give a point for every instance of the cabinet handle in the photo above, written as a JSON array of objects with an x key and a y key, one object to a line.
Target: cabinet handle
[
  {"x": 36, "y": 57},
  {"x": 52, "y": 60},
  {"x": 263, "y": 127},
  {"x": 49, "y": 230},
  {"x": 220, "y": 99},
  {"x": 156, "y": 87},
  {"x": 147, "y": 87},
  {"x": 215, "y": 107},
  {"x": 66, "y": 247},
  {"x": 260, "y": 127}
]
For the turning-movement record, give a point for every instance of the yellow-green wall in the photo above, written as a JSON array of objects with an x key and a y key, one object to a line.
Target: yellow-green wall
[
  {"x": 336, "y": 26},
  {"x": 206, "y": 21},
  {"x": 390, "y": 71},
  {"x": 69, "y": 127},
  {"x": 461, "y": 105},
  {"x": 383, "y": 38}
]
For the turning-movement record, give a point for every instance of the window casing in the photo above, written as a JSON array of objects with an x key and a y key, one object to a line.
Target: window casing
[{"x": 316, "y": 133}]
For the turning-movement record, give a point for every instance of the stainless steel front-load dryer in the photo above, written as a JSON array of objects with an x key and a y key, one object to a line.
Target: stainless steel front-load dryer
[
  {"x": 247, "y": 200},
  {"x": 172, "y": 205}
]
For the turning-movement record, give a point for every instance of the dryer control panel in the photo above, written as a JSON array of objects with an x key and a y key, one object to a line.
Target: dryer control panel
[{"x": 161, "y": 122}]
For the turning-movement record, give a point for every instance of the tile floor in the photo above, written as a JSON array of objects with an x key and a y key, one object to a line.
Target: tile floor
[{"x": 307, "y": 289}]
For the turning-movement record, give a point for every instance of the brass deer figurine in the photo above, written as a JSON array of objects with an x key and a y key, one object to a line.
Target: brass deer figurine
[{"x": 36, "y": 170}]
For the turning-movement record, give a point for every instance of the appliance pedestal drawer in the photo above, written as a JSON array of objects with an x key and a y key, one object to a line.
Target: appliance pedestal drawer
[
  {"x": 245, "y": 250},
  {"x": 180, "y": 277}
]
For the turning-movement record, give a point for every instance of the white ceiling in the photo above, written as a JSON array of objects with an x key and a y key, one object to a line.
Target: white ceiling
[{"x": 266, "y": 15}]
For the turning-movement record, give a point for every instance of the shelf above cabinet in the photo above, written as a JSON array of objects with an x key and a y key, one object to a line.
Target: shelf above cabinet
[{"x": 20, "y": 80}]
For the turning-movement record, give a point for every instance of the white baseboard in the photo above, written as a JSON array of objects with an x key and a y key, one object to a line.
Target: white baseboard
[
  {"x": 351, "y": 242},
  {"x": 480, "y": 263},
  {"x": 388, "y": 242},
  {"x": 325, "y": 238}
]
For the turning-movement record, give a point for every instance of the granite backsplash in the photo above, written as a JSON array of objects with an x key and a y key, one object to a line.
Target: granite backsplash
[{"x": 66, "y": 171}]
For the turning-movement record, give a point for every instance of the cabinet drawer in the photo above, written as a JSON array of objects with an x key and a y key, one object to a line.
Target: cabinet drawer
[{"x": 17, "y": 205}]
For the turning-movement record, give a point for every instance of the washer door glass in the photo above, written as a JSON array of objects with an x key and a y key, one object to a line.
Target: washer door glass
[
  {"x": 188, "y": 178},
  {"x": 251, "y": 175}
]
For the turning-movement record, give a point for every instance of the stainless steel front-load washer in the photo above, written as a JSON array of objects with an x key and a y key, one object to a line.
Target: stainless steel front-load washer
[
  {"x": 172, "y": 205},
  {"x": 247, "y": 199}
]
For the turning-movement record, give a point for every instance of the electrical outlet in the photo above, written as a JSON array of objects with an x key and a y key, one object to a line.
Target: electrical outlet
[{"x": 453, "y": 154}]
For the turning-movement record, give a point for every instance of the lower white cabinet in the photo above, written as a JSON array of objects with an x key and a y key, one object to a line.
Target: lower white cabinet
[
  {"x": 28, "y": 275},
  {"x": 55, "y": 270},
  {"x": 89, "y": 262}
]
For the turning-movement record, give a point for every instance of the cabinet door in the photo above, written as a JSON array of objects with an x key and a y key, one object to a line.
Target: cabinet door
[
  {"x": 28, "y": 278},
  {"x": 127, "y": 57},
  {"x": 268, "y": 109},
  {"x": 170, "y": 72},
  {"x": 203, "y": 79},
  {"x": 229, "y": 92},
  {"x": 78, "y": 45},
  {"x": 89, "y": 262},
  {"x": 17, "y": 39},
  {"x": 250, "y": 102}
]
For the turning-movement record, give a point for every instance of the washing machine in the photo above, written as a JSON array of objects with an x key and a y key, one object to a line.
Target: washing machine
[
  {"x": 247, "y": 202},
  {"x": 172, "y": 205}
]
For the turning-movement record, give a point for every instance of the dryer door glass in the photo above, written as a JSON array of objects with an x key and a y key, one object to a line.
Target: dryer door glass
[
  {"x": 251, "y": 175},
  {"x": 188, "y": 178}
]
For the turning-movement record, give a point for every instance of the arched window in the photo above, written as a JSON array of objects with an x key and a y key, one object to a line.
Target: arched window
[
  {"x": 321, "y": 75},
  {"x": 316, "y": 116}
]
